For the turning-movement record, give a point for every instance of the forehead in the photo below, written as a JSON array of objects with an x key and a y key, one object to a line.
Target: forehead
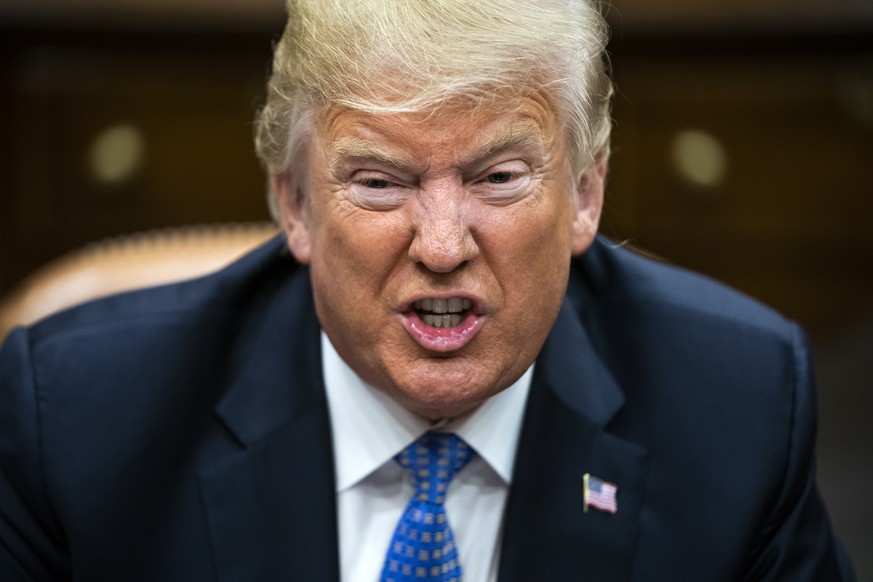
[{"x": 465, "y": 131}]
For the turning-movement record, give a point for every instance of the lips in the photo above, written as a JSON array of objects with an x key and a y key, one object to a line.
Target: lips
[{"x": 442, "y": 324}]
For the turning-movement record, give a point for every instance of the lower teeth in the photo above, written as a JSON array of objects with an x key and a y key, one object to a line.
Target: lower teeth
[{"x": 440, "y": 321}]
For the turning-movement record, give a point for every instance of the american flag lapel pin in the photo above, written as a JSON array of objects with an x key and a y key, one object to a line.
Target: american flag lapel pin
[{"x": 599, "y": 494}]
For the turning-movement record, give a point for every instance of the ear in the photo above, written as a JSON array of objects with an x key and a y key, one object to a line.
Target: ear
[
  {"x": 589, "y": 203},
  {"x": 293, "y": 215}
]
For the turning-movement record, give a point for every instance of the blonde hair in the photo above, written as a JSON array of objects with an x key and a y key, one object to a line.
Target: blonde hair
[{"x": 414, "y": 55}]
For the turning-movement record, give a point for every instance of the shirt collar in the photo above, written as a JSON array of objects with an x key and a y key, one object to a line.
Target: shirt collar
[{"x": 369, "y": 427}]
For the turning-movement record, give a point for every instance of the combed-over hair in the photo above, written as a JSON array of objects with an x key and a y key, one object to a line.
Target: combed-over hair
[{"x": 414, "y": 55}]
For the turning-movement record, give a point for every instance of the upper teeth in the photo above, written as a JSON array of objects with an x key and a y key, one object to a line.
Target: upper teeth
[{"x": 453, "y": 305}]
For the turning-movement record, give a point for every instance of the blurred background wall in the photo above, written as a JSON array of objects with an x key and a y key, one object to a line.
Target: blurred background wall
[{"x": 743, "y": 148}]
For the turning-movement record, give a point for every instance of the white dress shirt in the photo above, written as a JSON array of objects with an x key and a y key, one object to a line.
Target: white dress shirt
[{"x": 369, "y": 428}]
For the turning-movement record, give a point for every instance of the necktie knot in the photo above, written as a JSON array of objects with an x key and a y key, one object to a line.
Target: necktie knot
[{"x": 434, "y": 460}]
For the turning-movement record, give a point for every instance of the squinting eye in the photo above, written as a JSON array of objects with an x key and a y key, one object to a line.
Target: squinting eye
[
  {"x": 504, "y": 183},
  {"x": 376, "y": 191},
  {"x": 499, "y": 177},
  {"x": 375, "y": 183}
]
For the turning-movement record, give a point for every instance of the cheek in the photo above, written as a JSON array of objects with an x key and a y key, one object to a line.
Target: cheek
[
  {"x": 534, "y": 235},
  {"x": 353, "y": 244},
  {"x": 533, "y": 258}
]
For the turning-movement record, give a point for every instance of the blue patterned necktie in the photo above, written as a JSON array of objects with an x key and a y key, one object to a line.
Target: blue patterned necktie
[{"x": 423, "y": 546}]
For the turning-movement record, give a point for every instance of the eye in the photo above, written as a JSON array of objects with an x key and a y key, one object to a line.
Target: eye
[
  {"x": 374, "y": 183},
  {"x": 375, "y": 190},
  {"x": 499, "y": 177},
  {"x": 503, "y": 183}
]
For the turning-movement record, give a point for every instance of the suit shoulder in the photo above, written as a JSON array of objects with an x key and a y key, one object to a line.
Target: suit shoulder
[{"x": 613, "y": 276}]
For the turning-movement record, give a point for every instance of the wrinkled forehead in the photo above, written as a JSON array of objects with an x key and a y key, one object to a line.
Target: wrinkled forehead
[{"x": 473, "y": 128}]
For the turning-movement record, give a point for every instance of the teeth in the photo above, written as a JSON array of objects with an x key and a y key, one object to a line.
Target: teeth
[
  {"x": 442, "y": 313},
  {"x": 448, "y": 320},
  {"x": 443, "y": 306}
]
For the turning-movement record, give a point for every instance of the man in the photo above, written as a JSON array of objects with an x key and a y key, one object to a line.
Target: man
[{"x": 558, "y": 408}]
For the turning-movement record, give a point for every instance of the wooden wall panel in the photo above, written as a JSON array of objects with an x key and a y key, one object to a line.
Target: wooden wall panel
[
  {"x": 192, "y": 112},
  {"x": 790, "y": 222}
]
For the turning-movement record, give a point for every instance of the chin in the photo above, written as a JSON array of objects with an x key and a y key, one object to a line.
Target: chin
[
  {"x": 447, "y": 399},
  {"x": 439, "y": 410}
]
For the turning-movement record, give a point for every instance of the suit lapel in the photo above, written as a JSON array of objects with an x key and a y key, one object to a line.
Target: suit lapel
[
  {"x": 548, "y": 535},
  {"x": 270, "y": 501}
]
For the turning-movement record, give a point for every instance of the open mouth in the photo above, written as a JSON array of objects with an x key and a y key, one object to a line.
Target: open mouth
[
  {"x": 444, "y": 324},
  {"x": 442, "y": 313}
]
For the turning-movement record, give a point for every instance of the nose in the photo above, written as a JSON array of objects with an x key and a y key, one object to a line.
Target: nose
[{"x": 443, "y": 240}]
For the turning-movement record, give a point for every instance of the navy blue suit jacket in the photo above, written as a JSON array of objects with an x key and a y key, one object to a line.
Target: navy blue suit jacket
[{"x": 181, "y": 434}]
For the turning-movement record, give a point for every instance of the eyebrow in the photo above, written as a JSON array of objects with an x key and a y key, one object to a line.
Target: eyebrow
[
  {"x": 353, "y": 147},
  {"x": 523, "y": 133}
]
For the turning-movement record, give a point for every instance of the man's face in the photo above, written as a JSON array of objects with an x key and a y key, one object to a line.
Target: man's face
[{"x": 440, "y": 245}]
